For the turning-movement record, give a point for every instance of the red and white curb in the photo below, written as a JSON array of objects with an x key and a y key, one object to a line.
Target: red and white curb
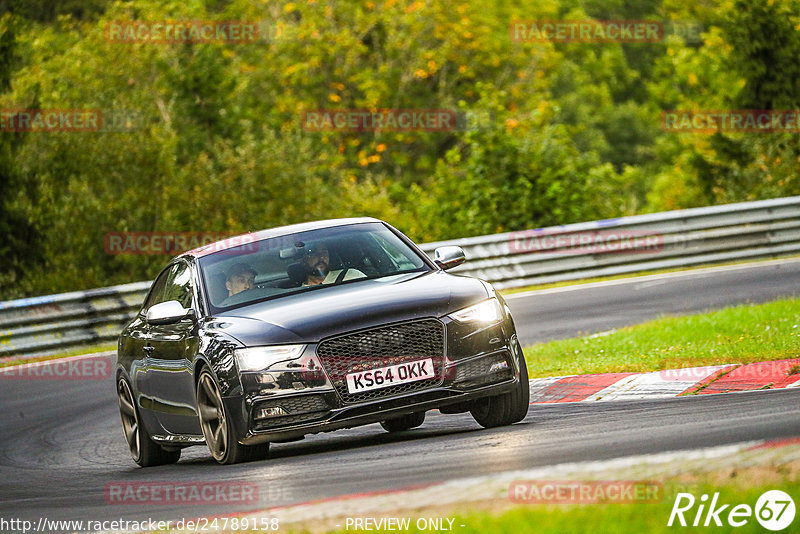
[
  {"x": 763, "y": 375},
  {"x": 665, "y": 384}
]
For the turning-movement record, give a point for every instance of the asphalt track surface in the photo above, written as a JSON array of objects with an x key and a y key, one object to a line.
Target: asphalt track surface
[
  {"x": 574, "y": 310},
  {"x": 61, "y": 442}
]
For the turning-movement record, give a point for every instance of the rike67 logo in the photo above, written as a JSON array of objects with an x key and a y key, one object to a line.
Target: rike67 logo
[{"x": 774, "y": 510}]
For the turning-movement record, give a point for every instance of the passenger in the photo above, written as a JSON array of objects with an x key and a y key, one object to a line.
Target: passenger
[{"x": 241, "y": 277}]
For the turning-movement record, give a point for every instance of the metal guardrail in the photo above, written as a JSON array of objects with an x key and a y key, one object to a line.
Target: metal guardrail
[
  {"x": 715, "y": 234},
  {"x": 39, "y": 325},
  {"x": 680, "y": 238}
]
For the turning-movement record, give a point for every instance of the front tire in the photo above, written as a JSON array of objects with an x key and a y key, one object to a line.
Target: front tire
[
  {"x": 218, "y": 428},
  {"x": 508, "y": 408},
  {"x": 143, "y": 449},
  {"x": 404, "y": 422}
]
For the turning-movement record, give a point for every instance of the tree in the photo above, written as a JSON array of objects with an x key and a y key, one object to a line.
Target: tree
[{"x": 20, "y": 246}]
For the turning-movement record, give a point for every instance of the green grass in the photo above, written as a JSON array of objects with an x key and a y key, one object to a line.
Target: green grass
[
  {"x": 77, "y": 351},
  {"x": 639, "y": 274},
  {"x": 616, "y": 518},
  {"x": 741, "y": 334}
]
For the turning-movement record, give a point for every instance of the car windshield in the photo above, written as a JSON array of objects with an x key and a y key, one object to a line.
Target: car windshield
[{"x": 305, "y": 261}]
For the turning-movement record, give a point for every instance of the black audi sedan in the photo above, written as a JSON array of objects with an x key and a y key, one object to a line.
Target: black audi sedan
[{"x": 311, "y": 328}]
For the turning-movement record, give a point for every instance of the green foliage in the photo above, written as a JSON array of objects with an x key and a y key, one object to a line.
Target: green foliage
[
  {"x": 765, "y": 45},
  {"x": 47, "y": 10},
  {"x": 19, "y": 247},
  {"x": 568, "y": 131},
  {"x": 519, "y": 172}
]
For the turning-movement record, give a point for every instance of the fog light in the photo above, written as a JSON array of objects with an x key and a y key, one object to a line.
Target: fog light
[
  {"x": 266, "y": 378},
  {"x": 275, "y": 411},
  {"x": 498, "y": 366}
]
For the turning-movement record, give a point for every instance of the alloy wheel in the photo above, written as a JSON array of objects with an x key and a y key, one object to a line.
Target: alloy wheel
[
  {"x": 212, "y": 416},
  {"x": 130, "y": 419}
]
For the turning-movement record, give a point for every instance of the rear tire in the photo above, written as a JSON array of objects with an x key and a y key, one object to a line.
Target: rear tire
[
  {"x": 405, "y": 422},
  {"x": 143, "y": 449},
  {"x": 217, "y": 427},
  {"x": 508, "y": 408}
]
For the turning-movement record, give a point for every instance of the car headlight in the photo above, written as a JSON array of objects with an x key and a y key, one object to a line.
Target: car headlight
[
  {"x": 258, "y": 358},
  {"x": 486, "y": 312}
]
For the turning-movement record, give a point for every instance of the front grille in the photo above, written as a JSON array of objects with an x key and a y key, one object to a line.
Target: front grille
[{"x": 381, "y": 347}]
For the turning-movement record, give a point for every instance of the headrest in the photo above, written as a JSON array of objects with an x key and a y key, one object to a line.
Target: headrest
[{"x": 297, "y": 273}]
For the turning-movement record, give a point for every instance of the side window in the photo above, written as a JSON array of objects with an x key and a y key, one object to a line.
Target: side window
[
  {"x": 174, "y": 283},
  {"x": 179, "y": 285},
  {"x": 159, "y": 288}
]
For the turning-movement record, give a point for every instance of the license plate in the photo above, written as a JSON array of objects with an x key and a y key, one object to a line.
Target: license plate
[{"x": 402, "y": 373}]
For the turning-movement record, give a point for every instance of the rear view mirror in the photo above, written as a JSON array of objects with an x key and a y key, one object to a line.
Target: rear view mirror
[{"x": 288, "y": 253}]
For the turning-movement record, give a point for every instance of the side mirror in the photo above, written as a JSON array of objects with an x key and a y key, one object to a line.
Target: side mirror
[
  {"x": 168, "y": 312},
  {"x": 448, "y": 257}
]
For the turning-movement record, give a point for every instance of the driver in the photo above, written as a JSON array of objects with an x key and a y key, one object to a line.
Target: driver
[
  {"x": 241, "y": 277},
  {"x": 317, "y": 262}
]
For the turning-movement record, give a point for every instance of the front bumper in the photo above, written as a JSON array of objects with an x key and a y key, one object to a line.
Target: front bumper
[
  {"x": 363, "y": 414},
  {"x": 300, "y": 399},
  {"x": 466, "y": 380}
]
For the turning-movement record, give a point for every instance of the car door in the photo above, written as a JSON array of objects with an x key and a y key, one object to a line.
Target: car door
[
  {"x": 137, "y": 345},
  {"x": 169, "y": 370}
]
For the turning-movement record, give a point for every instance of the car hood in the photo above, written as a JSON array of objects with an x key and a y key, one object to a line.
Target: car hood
[{"x": 314, "y": 315}]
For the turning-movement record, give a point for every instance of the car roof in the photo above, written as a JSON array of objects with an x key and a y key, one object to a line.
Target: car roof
[{"x": 250, "y": 237}]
